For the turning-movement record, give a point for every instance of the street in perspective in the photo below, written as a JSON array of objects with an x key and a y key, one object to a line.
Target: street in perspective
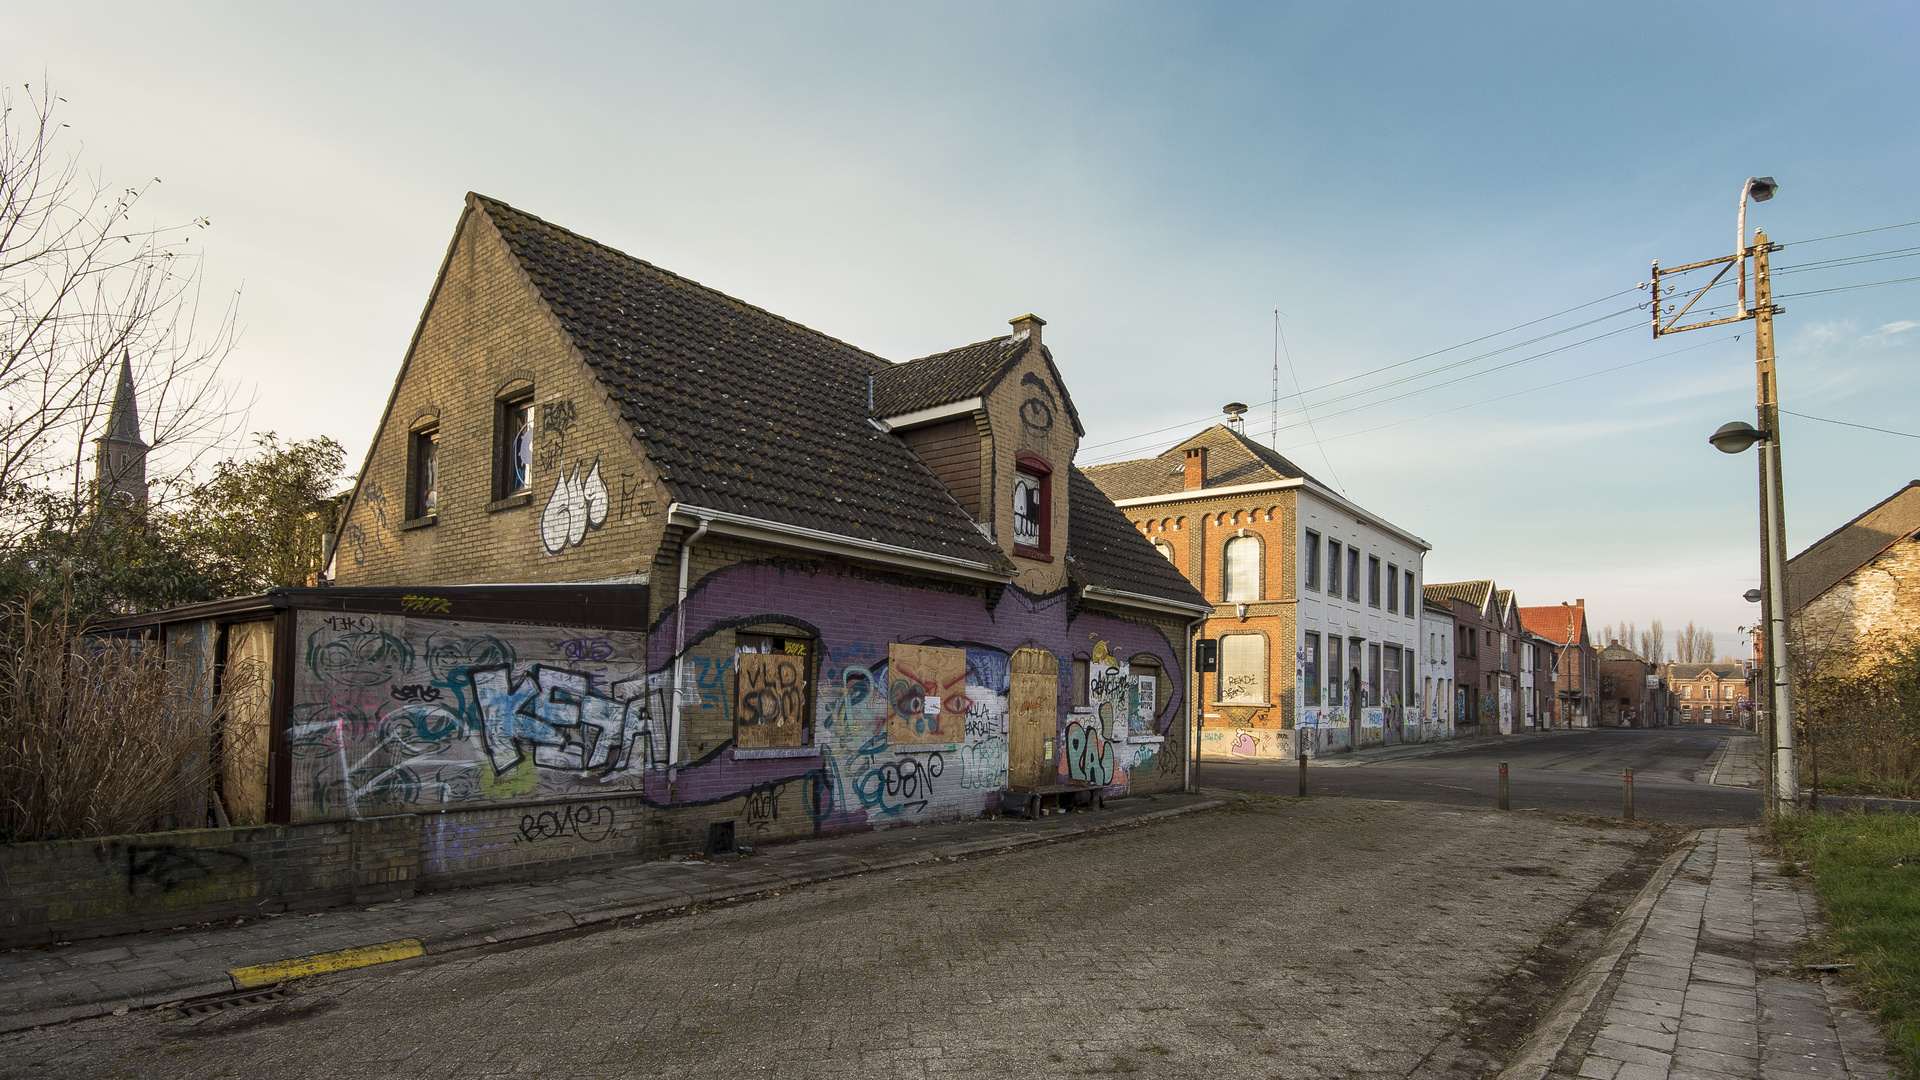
[{"x": 974, "y": 540}]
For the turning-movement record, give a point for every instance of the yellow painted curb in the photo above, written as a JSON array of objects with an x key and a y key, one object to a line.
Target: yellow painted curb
[{"x": 279, "y": 971}]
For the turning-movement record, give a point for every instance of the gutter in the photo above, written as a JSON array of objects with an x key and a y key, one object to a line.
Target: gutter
[
  {"x": 1142, "y": 600},
  {"x": 805, "y": 539}
]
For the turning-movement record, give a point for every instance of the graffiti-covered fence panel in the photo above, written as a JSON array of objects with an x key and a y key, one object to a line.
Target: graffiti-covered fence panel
[{"x": 394, "y": 714}]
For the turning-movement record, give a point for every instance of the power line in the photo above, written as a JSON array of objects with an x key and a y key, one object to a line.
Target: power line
[
  {"x": 1859, "y": 232},
  {"x": 1403, "y": 363},
  {"x": 1845, "y": 423},
  {"x": 1437, "y": 386},
  {"x": 1535, "y": 389},
  {"x": 1847, "y": 288}
]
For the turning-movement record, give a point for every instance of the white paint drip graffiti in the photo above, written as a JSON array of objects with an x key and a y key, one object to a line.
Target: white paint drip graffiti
[{"x": 576, "y": 505}]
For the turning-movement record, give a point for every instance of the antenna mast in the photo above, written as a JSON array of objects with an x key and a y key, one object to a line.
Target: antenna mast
[{"x": 1273, "y": 432}]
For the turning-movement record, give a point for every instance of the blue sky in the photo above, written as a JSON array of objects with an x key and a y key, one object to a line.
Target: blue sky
[{"x": 1152, "y": 179}]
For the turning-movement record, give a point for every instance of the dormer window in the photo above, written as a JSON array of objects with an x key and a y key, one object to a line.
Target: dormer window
[{"x": 1032, "y": 508}]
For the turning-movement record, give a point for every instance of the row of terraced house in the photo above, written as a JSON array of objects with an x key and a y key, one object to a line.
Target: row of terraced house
[{"x": 1328, "y": 635}]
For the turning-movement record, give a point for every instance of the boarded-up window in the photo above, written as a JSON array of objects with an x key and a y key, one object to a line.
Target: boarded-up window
[
  {"x": 927, "y": 690},
  {"x": 1145, "y": 699},
  {"x": 1243, "y": 669},
  {"x": 770, "y": 690},
  {"x": 246, "y": 678},
  {"x": 1243, "y": 570}
]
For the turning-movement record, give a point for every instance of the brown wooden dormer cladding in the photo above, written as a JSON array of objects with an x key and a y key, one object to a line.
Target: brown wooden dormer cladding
[{"x": 952, "y": 449}]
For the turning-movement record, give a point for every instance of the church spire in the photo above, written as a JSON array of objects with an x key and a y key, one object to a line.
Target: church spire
[
  {"x": 123, "y": 424},
  {"x": 120, "y": 456}
]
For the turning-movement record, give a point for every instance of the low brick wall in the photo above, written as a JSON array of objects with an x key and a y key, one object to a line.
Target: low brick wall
[{"x": 60, "y": 890}]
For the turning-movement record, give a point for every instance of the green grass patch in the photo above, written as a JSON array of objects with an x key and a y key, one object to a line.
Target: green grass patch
[{"x": 1866, "y": 869}]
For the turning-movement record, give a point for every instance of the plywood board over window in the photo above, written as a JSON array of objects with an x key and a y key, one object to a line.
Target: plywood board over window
[
  {"x": 770, "y": 688},
  {"x": 1033, "y": 715},
  {"x": 927, "y": 689},
  {"x": 247, "y": 682}
]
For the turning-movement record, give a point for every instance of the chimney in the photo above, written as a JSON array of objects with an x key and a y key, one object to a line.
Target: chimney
[
  {"x": 1196, "y": 468},
  {"x": 1028, "y": 325}
]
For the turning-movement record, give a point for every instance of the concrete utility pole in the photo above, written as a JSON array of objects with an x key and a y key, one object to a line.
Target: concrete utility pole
[{"x": 1783, "y": 785}]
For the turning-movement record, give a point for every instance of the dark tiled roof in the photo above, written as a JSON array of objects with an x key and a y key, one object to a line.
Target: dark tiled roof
[
  {"x": 1472, "y": 592},
  {"x": 958, "y": 374},
  {"x": 1105, "y": 550},
  {"x": 1558, "y": 623},
  {"x": 1617, "y": 651},
  {"x": 1232, "y": 459},
  {"x": 739, "y": 409},
  {"x": 1686, "y": 672},
  {"x": 955, "y": 375},
  {"x": 1853, "y": 545}
]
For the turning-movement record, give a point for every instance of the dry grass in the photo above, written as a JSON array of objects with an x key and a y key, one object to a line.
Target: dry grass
[{"x": 102, "y": 736}]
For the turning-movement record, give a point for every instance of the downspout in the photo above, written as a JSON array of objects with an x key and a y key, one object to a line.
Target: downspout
[
  {"x": 1199, "y": 714},
  {"x": 679, "y": 656}
]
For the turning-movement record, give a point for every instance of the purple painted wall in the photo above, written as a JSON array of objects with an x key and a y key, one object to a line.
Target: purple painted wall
[{"x": 858, "y": 780}]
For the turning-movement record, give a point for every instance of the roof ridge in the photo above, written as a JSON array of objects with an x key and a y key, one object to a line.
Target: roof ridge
[
  {"x": 663, "y": 271},
  {"x": 956, "y": 349}
]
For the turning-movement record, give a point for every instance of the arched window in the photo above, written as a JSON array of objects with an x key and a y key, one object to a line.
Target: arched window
[
  {"x": 1165, "y": 549},
  {"x": 1242, "y": 564}
]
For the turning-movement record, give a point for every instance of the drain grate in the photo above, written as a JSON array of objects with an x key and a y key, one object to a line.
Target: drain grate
[{"x": 206, "y": 1006}]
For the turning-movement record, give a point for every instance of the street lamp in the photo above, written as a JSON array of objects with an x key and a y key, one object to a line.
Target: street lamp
[
  {"x": 1736, "y": 438},
  {"x": 1783, "y": 780},
  {"x": 1759, "y": 189}
]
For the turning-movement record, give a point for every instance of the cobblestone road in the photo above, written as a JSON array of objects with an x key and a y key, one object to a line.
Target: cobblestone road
[{"x": 1330, "y": 938}]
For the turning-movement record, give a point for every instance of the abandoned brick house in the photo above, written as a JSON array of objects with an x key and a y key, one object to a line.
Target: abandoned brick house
[
  {"x": 875, "y": 592},
  {"x": 1318, "y": 650},
  {"x": 1857, "y": 589}
]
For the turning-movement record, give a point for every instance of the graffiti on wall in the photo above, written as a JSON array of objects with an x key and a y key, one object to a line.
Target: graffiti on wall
[
  {"x": 578, "y": 503},
  {"x": 392, "y": 713}
]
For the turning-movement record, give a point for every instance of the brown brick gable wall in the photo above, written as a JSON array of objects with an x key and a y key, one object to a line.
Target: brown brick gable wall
[{"x": 484, "y": 329}]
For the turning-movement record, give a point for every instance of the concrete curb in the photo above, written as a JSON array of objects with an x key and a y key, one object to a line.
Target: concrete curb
[
  {"x": 601, "y": 916},
  {"x": 1536, "y": 1056}
]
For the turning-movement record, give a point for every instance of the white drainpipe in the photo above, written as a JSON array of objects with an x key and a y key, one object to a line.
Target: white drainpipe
[{"x": 679, "y": 656}]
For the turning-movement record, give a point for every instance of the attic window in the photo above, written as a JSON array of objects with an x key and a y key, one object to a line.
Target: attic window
[
  {"x": 513, "y": 425},
  {"x": 1033, "y": 508}
]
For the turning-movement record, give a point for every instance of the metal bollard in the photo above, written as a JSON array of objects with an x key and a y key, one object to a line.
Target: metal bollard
[
  {"x": 1626, "y": 811},
  {"x": 1303, "y": 776},
  {"x": 1503, "y": 785}
]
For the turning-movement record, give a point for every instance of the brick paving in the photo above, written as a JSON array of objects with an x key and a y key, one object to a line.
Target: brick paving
[
  {"x": 90, "y": 978},
  {"x": 1327, "y": 938},
  {"x": 1708, "y": 988}
]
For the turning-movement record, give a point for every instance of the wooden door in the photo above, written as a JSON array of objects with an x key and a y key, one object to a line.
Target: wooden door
[{"x": 1032, "y": 718}]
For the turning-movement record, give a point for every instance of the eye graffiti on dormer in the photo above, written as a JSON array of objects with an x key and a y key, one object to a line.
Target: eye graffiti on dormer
[{"x": 1037, "y": 410}]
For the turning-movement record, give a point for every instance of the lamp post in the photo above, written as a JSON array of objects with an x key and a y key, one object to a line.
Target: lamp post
[
  {"x": 1735, "y": 438},
  {"x": 1783, "y": 778}
]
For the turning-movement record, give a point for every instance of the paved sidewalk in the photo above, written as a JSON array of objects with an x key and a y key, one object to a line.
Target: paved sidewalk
[
  {"x": 41, "y": 985},
  {"x": 1698, "y": 982},
  {"x": 1415, "y": 751},
  {"x": 1740, "y": 762}
]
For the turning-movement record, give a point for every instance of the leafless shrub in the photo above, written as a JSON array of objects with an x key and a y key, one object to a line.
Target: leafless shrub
[
  {"x": 101, "y": 735},
  {"x": 1857, "y": 705}
]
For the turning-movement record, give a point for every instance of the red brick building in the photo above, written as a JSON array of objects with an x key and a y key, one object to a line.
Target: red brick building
[{"x": 1576, "y": 690}]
